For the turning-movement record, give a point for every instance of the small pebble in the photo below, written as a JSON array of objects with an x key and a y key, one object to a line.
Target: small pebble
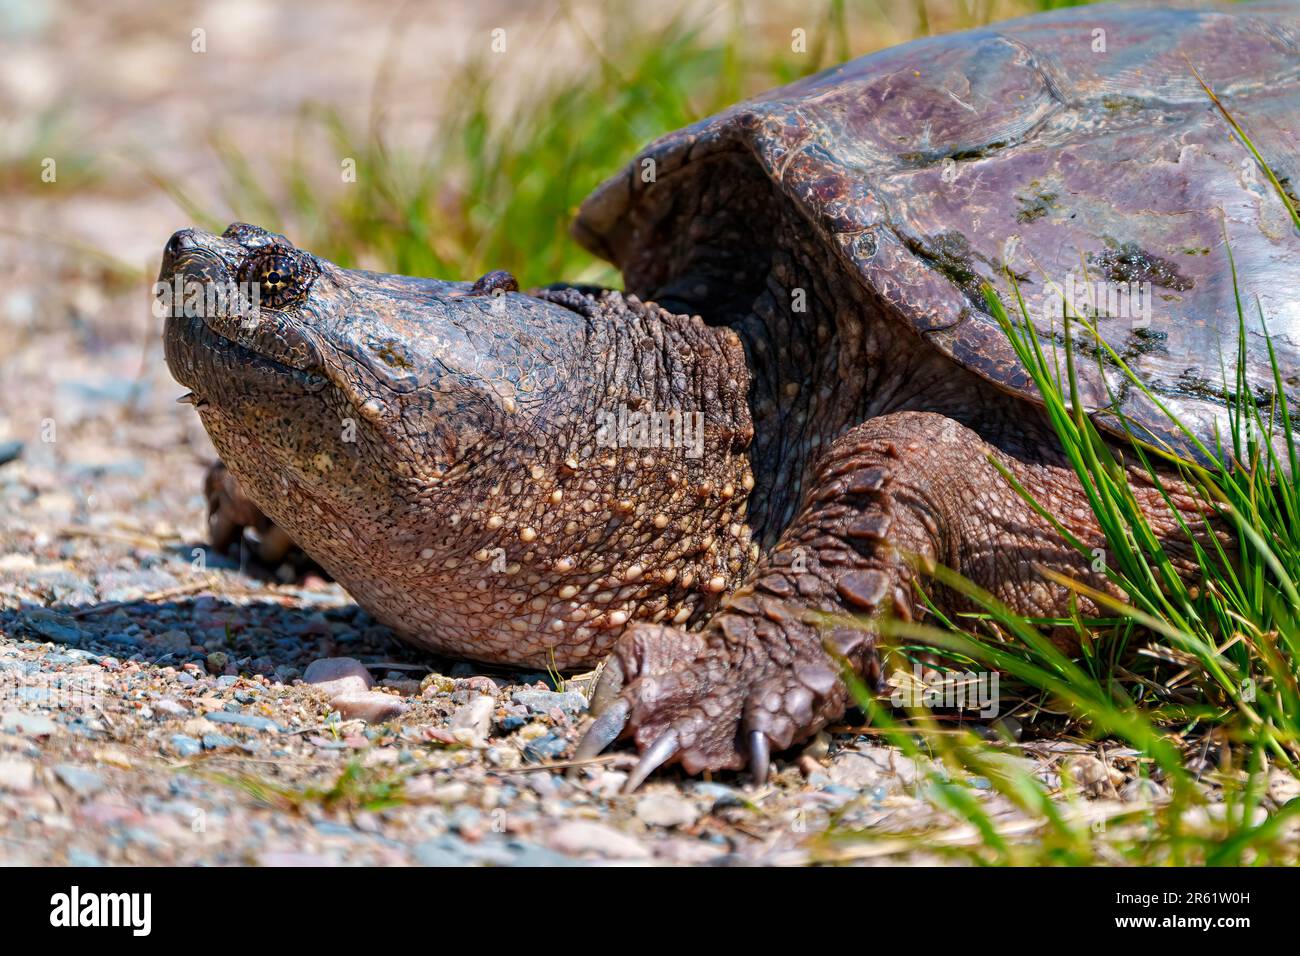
[
  {"x": 544, "y": 784},
  {"x": 373, "y": 708},
  {"x": 170, "y": 707},
  {"x": 174, "y": 641},
  {"x": 30, "y": 725},
  {"x": 54, "y": 626},
  {"x": 338, "y": 675},
  {"x": 79, "y": 780},
  {"x": 185, "y": 746},
  {"x": 251, "y": 721},
  {"x": 579, "y": 837},
  {"x": 720, "y": 794},
  {"x": 818, "y": 747},
  {"x": 475, "y": 717},
  {"x": 543, "y": 701},
  {"x": 545, "y": 748},
  {"x": 666, "y": 810},
  {"x": 17, "y": 775},
  {"x": 1142, "y": 790}
]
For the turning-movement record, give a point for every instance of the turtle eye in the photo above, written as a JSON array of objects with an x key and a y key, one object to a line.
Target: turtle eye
[
  {"x": 496, "y": 284},
  {"x": 281, "y": 278}
]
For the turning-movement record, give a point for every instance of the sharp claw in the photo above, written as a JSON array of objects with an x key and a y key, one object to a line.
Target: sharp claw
[
  {"x": 660, "y": 752},
  {"x": 760, "y": 756},
  {"x": 604, "y": 731},
  {"x": 608, "y": 686}
]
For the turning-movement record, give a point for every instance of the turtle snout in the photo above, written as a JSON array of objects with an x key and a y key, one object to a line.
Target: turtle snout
[
  {"x": 181, "y": 241},
  {"x": 192, "y": 253}
]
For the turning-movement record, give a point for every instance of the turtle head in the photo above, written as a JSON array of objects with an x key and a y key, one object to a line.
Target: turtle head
[
  {"x": 467, "y": 430},
  {"x": 328, "y": 373}
]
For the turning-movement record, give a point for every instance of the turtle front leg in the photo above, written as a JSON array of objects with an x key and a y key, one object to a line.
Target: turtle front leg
[
  {"x": 231, "y": 513},
  {"x": 759, "y": 675}
]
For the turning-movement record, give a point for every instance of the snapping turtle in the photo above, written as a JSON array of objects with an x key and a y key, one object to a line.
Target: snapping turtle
[{"x": 801, "y": 390}]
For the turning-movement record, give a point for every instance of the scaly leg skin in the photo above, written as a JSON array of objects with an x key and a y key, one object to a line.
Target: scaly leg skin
[
  {"x": 758, "y": 677},
  {"x": 230, "y": 512}
]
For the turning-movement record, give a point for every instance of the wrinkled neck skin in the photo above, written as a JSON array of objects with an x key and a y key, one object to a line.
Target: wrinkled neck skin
[
  {"x": 626, "y": 504},
  {"x": 531, "y": 529},
  {"x": 823, "y": 354}
]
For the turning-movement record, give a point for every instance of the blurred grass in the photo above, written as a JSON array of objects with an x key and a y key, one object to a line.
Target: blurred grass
[{"x": 499, "y": 182}]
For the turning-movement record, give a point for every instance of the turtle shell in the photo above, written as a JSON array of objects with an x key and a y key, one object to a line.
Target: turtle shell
[{"x": 1075, "y": 150}]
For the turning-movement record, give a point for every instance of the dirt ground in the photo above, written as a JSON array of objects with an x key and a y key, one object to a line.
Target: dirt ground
[{"x": 153, "y": 708}]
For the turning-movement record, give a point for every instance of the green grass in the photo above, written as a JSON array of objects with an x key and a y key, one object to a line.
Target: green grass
[
  {"x": 1226, "y": 673},
  {"x": 355, "y": 788},
  {"x": 497, "y": 188},
  {"x": 1227, "y": 679}
]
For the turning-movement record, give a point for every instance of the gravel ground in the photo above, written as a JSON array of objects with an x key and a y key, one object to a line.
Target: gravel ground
[
  {"x": 153, "y": 710},
  {"x": 159, "y": 705}
]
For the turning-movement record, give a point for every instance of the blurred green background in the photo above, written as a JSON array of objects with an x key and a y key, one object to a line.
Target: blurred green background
[{"x": 475, "y": 130}]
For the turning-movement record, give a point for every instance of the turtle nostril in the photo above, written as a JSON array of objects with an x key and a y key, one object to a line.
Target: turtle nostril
[
  {"x": 176, "y": 249},
  {"x": 191, "y": 253},
  {"x": 179, "y": 243}
]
